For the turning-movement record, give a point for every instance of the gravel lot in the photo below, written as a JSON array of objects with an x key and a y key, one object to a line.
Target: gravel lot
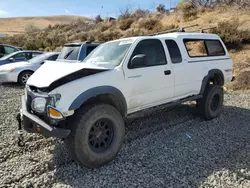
[{"x": 163, "y": 148}]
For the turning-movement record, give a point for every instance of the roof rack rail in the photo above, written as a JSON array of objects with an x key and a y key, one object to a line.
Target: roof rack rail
[
  {"x": 203, "y": 29},
  {"x": 181, "y": 29}
]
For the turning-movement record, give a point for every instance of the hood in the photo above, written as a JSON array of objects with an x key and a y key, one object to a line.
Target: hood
[
  {"x": 53, "y": 71},
  {"x": 14, "y": 65}
]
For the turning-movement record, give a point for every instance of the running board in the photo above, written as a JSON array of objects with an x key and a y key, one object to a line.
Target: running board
[{"x": 170, "y": 104}]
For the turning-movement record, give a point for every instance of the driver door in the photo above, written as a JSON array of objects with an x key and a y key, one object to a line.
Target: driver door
[{"x": 153, "y": 82}]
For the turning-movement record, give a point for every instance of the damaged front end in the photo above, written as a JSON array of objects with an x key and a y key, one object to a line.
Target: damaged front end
[{"x": 39, "y": 114}]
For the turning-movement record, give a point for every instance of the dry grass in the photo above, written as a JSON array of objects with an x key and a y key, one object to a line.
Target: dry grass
[
  {"x": 17, "y": 25},
  {"x": 242, "y": 82}
]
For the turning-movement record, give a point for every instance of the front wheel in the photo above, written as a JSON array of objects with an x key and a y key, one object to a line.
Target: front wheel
[
  {"x": 210, "y": 106},
  {"x": 97, "y": 134},
  {"x": 24, "y": 76}
]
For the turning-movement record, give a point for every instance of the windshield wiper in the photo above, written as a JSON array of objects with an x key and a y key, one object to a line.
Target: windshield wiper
[{"x": 67, "y": 55}]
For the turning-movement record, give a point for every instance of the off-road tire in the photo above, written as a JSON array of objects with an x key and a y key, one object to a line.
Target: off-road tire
[
  {"x": 78, "y": 143},
  {"x": 21, "y": 77},
  {"x": 210, "y": 106}
]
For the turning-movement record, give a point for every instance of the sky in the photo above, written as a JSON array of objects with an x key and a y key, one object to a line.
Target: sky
[{"x": 89, "y": 8}]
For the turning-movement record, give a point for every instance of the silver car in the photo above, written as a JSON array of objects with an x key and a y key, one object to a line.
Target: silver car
[{"x": 21, "y": 71}]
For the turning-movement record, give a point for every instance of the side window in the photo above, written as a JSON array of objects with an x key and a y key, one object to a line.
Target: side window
[
  {"x": 20, "y": 56},
  {"x": 174, "y": 51},
  {"x": 53, "y": 57},
  {"x": 214, "y": 48},
  {"x": 195, "y": 48},
  {"x": 29, "y": 55},
  {"x": 154, "y": 51},
  {"x": 9, "y": 50},
  {"x": 2, "y": 51},
  {"x": 202, "y": 48},
  {"x": 34, "y": 54},
  {"x": 90, "y": 49}
]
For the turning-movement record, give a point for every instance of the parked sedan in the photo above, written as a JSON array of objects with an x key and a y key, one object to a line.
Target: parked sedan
[
  {"x": 7, "y": 49},
  {"x": 21, "y": 71},
  {"x": 18, "y": 56}
]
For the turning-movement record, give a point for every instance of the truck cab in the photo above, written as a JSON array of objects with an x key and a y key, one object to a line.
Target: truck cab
[{"x": 72, "y": 52}]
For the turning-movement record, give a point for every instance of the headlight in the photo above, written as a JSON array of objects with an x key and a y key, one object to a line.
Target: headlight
[
  {"x": 7, "y": 70},
  {"x": 38, "y": 105}
]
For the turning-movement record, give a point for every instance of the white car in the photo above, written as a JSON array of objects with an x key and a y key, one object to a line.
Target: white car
[
  {"x": 21, "y": 71},
  {"x": 86, "y": 103}
]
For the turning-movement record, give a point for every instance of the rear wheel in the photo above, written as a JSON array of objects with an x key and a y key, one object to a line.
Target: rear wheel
[
  {"x": 97, "y": 134},
  {"x": 210, "y": 106},
  {"x": 24, "y": 76}
]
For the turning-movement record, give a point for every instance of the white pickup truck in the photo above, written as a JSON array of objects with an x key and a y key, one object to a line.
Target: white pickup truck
[{"x": 86, "y": 103}]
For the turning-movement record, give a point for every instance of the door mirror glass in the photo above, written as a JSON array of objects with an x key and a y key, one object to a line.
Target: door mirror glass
[
  {"x": 11, "y": 59},
  {"x": 139, "y": 60}
]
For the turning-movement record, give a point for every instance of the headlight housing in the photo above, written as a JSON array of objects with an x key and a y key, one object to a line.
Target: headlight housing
[
  {"x": 54, "y": 99},
  {"x": 38, "y": 104},
  {"x": 7, "y": 70}
]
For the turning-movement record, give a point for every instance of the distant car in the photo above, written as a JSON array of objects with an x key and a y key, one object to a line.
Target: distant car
[
  {"x": 73, "y": 52},
  {"x": 24, "y": 55},
  {"x": 21, "y": 71},
  {"x": 6, "y": 49}
]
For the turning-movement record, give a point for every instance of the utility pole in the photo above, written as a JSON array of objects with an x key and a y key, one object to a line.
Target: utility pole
[
  {"x": 154, "y": 6},
  {"x": 101, "y": 10}
]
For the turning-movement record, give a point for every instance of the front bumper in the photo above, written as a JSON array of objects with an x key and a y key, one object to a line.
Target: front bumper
[
  {"x": 33, "y": 124},
  {"x": 8, "y": 77}
]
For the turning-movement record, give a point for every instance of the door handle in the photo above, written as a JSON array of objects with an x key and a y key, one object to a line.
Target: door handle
[{"x": 167, "y": 72}]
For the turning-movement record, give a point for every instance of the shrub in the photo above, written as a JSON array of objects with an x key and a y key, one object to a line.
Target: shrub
[
  {"x": 108, "y": 35},
  {"x": 151, "y": 24},
  {"x": 140, "y": 13},
  {"x": 30, "y": 28},
  {"x": 47, "y": 49},
  {"x": 242, "y": 81},
  {"x": 58, "y": 49},
  {"x": 188, "y": 10},
  {"x": 104, "y": 27},
  {"x": 231, "y": 34},
  {"x": 30, "y": 45},
  {"x": 125, "y": 24},
  {"x": 91, "y": 38},
  {"x": 83, "y": 37}
]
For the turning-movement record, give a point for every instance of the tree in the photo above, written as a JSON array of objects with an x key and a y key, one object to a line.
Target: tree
[
  {"x": 161, "y": 8},
  {"x": 98, "y": 18},
  {"x": 125, "y": 12}
]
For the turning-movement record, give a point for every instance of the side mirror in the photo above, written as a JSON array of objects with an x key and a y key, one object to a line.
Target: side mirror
[
  {"x": 42, "y": 63},
  {"x": 11, "y": 59},
  {"x": 138, "y": 61}
]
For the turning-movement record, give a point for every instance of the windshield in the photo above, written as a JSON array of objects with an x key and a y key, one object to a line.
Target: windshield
[
  {"x": 111, "y": 53},
  {"x": 39, "y": 58},
  {"x": 8, "y": 56},
  {"x": 69, "y": 52}
]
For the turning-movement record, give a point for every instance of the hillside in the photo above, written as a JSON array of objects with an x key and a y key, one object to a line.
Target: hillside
[{"x": 17, "y": 25}]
